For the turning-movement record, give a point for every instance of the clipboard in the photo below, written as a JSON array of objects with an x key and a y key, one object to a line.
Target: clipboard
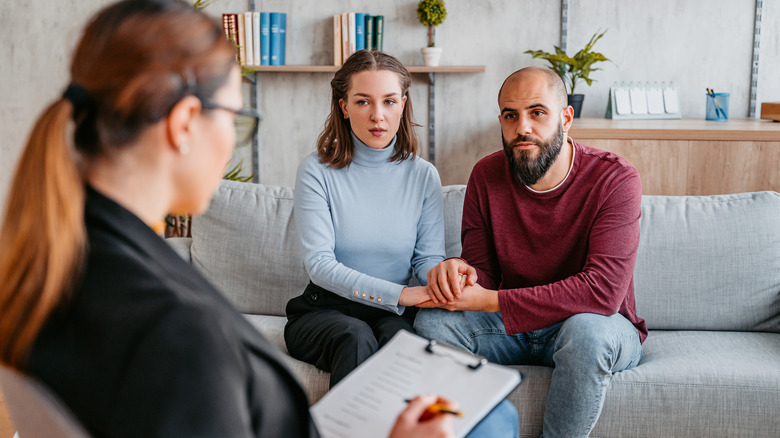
[{"x": 368, "y": 401}]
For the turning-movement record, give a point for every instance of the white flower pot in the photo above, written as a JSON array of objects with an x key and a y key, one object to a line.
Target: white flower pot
[{"x": 431, "y": 56}]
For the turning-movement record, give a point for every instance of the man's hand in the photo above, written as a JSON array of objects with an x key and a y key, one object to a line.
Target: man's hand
[
  {"x": 447, "y": 279},
  {"x": 473, "y": 297}
]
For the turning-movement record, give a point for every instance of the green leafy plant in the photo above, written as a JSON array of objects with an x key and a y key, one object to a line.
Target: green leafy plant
[
  {"x": 576, "y": 69},
  {"x": 431, "y": 13},
  {"x": 234, "y": 174},
  {"x": 202, "y": 4}
]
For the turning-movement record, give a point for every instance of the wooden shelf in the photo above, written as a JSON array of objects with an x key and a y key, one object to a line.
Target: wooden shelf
[
  {"x": 738, "y": 129},
  {"x": 334, "y": 68}
]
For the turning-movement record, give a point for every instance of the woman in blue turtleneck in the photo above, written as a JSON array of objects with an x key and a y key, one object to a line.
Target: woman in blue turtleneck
[{"x": 369, "y": 215}]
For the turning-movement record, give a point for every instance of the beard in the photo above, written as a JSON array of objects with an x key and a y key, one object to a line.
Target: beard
[{"x": 529, "y": 169}]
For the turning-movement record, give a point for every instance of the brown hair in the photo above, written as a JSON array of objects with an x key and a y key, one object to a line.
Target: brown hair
[
  {"x": 134, "y": 62},
  {"x": 334, "y": 144}
]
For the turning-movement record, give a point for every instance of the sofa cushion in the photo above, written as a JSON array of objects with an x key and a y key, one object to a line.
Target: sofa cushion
[
  {"x": 453, "y": 211},
  {"x": 710, "y": 262},
  {"x": 688, "y": 383},
  {"x": 246, "y": 244},
  {"x": 706, "y": 384}
]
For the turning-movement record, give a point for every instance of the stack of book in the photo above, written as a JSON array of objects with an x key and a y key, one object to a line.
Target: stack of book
[
  {"x": 260, "y": 37},
  {"x": 353, "y": 31}
]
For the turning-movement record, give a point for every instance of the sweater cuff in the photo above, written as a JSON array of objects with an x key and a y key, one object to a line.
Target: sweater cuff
[
  {"x": 381, "y": 294},
  {"x": 508, "y": 315}
]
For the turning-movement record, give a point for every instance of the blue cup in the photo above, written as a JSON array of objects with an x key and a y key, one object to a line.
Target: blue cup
[{"x": 717, "y": 107}]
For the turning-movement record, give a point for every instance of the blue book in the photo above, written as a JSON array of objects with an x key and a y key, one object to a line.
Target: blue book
[
  {"x": 276, "y": 43},
  {"x": 282, "y": 38},
  {"x": 360, "y": 31},
  {"x": 265, "y": 38}
]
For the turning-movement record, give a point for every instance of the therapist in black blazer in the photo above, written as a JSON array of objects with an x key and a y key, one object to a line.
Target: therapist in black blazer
[{"x": 93, "y": 302}]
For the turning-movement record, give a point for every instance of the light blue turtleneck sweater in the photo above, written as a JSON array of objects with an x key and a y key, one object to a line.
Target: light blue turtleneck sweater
[{"x": 367, "y": 227}]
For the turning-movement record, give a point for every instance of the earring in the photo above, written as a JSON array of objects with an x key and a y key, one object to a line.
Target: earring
[
  {"x": 346, "y": 116},
  {"x": 184, "y": 148}
]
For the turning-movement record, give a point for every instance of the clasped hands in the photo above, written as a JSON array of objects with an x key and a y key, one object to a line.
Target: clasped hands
[{"x": 452, "y": 285}]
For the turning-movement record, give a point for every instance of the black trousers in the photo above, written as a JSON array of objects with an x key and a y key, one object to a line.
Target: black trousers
[{"x": 336, "y": 334}]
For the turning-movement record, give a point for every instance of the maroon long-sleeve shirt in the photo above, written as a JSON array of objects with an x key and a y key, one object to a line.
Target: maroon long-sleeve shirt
[{"x": 558, "y": 253}]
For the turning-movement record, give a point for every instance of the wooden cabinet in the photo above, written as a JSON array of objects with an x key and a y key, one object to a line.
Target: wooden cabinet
[{"x": 690, "y": 156}]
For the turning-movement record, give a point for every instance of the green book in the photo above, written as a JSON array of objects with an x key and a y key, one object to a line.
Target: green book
[
  {"x": 369, "y": 31},
  {"x": 379, "y": 21}
]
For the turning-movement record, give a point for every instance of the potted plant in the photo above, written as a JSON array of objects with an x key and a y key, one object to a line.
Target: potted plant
[
  {"x": 573, "y": 70},
  {"x": 431, "y": 13}
]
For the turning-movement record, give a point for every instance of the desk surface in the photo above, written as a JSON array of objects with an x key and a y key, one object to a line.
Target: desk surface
[{"x": 675, "y": 129}]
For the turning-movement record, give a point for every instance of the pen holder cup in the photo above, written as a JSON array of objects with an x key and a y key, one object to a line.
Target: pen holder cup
[{"x": 717, "y": 107}]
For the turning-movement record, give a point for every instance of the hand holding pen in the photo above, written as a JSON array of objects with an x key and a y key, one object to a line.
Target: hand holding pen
[
  {"x": 442, "y": 406},
  {"x": 420, "y": 420}
]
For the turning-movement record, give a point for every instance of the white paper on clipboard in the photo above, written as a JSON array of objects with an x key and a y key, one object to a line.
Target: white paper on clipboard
[{"x": 367, "y": 402}]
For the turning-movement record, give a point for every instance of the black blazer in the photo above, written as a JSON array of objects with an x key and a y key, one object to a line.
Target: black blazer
[{"x": 147, "y": 347}]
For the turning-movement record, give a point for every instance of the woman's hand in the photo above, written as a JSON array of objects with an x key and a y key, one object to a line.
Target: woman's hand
[
  {"x": 412, "y": 296},
  {"x": 415, "y": 422}
]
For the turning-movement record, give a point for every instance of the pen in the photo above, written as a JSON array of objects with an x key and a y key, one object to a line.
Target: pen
[
  {"x": 440, "y": 408},
  {"x": 712, "y": 93}
]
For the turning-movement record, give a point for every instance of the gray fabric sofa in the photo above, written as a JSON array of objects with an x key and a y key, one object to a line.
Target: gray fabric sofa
[{"x": 707, "y": 281}]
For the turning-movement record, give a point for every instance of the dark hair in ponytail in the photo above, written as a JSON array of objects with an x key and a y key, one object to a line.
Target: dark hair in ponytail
[{"x": 134, "y": 62}]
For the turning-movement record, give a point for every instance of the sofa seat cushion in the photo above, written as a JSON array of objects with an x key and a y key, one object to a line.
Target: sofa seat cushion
[
  {"x": 314, "y": 381},
  {"x": 713, "y": 384}
]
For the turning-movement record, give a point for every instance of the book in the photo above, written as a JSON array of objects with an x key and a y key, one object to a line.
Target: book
[
  {"x": 282, "y": 38},
  {"x": 241, "y": 41},
  {"x": 360, "y": 35},
  {"x": 276, "y": 44},
  {"x": 368, "y": 400},
  {"x": 337, "y": 60},
  {"x": 351, "y": 30},
  {"x": 369, "y": 30},
  {"x": 344, "y": 36},
  {"x": 379, "y": 24},
  {"x": 256, "y": 37},
  {"x": 249, "y": 38},
  {"x": 230, "y": 26},
  {"x": 265, "y": 38}
]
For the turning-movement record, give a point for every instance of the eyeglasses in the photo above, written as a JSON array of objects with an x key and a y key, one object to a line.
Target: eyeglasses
[{"x": 246, "y": 121}]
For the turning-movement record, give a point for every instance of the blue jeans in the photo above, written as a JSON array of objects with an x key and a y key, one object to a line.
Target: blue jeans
[
  {"x": 501, "y": 422},
  {"x": 585, "y": 350}
]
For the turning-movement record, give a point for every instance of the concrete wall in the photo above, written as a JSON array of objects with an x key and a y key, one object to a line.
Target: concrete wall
[{"x": 695, "y": 43}]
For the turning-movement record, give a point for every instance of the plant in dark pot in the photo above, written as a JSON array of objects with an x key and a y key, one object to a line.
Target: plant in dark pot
[{"x": 574, "y": 69}]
